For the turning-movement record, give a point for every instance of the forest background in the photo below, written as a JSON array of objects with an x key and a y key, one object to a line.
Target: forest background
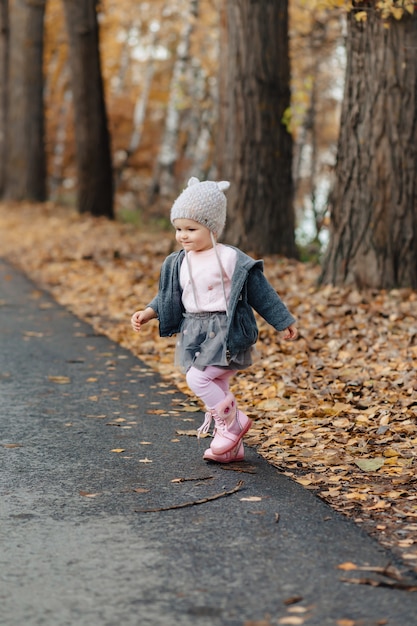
[{"x": 336, "y": 410}]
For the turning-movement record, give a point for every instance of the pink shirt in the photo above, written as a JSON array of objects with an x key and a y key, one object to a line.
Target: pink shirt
[{"x": 206, "y": 276}]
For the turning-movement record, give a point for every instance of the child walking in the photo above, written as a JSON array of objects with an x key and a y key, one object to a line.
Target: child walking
[{"x": 207, "y": 294}]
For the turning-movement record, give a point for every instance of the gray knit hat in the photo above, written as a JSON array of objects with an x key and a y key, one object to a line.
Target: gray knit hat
[{"x": 204, "y": 202}]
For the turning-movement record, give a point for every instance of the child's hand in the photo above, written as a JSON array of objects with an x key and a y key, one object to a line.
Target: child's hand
[
  {"x": 290, "y": 333},
  {"x": 141, "y": 317}
]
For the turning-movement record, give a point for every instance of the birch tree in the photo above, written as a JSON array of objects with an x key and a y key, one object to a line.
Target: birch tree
[
  {"x": 141, "y": 103},
  {"x": 164, "y": 181},
  {"x": 254, "y": 146},
  {"x": 373, "y": 240},
  {"x": 317, "y": 58}
]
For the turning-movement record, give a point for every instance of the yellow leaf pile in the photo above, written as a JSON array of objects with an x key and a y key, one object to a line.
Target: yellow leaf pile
[{"x": 336, "y": 410}]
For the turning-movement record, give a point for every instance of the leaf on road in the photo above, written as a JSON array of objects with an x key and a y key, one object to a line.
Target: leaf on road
[
  {"x": 87, "y": 494},
  {"x": 291, "y": 620},
  {"x": 59, "y": 380},
  {"x": 347, "y": 567},
  {"x": 251, "y": 499}
]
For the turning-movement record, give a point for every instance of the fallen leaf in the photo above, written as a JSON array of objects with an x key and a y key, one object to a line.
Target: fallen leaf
[
  {"x": 86, "y": 494},
  {"x": 59, "y": 380},
  {"x": 291, "y": 620},
  {"x": 190, "y": 409},
  {"x": 347, "y": 567},
  {"x": 370, "y": 465},
  {"x": 293, "y": 600},
  {"x": 191, "y": 433}
]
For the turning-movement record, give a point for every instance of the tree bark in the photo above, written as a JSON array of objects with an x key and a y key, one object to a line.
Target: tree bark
[
  {"x": 139, "y": 113},
  {"x": 254, "y": 146},
  {"x": 164, "y": 182},
  {"x": 25, "y": 149},
  {"x": 4, "y": 53},
  {"x": 94, "y": 168},
  {"x": 373, "y": 238}
]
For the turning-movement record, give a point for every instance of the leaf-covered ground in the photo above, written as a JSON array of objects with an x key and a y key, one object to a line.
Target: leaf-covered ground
[{"x": 336, "y": 410}]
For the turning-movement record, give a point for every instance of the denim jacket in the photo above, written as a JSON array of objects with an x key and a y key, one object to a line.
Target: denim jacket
[{"x": 249, "y": 290}]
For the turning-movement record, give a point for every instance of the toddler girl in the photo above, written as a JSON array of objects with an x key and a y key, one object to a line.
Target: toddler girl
[{"x": 207, "y": 293}]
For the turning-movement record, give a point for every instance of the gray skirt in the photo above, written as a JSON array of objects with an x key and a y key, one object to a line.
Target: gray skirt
[{"x": 202, "y": 342}]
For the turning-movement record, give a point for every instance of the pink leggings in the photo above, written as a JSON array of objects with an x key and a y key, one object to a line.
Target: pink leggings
[{"x": 210, "y": 385}]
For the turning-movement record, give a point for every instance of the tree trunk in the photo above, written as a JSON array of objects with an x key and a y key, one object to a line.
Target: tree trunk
[
  {"x": 94, "y": 168},
  {"x": 4, "y": 52},
  {"x": 25, "y": 151},
  {"x": 373, "y": 240},
  {"x": 164, "y": 181},
  {"x": 139, "y": 113},
  {"x": 254, "y": 146}
]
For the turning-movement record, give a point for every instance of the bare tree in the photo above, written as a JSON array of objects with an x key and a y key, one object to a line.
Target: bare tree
[
  {"x": 373, "y": 239},
  {"x": 254, "y": 146},
  {"x": 94, "y": 167},
  {"x": 25, "y": 150}
]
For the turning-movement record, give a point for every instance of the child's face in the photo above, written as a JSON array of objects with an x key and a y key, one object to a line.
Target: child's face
[{"x": 192, "y": 236}]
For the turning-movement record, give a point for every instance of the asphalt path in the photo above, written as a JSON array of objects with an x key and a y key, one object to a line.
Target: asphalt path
[{"x": 89, "y": 445}]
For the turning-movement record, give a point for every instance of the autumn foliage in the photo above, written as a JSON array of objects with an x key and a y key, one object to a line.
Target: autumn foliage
[{"x": 335, "y": 410}]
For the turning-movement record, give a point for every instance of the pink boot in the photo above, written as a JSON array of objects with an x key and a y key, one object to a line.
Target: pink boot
[
  {"x": 230, "y": 425},
  {"x": 237, "y": 454}
]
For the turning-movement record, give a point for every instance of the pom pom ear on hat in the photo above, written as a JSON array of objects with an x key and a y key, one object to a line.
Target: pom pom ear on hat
[{"x": 204, "y": 202}]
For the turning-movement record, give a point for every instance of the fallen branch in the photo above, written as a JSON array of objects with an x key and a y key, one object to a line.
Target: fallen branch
[
  {"x": 194, "y": 502},
  {"x": 239, "y": 468},
  {"x": 396, "y": 582},
  {"x": 382, "y": 583},
  {"x": 388, "y": 570},
  {"x": 183, "y": 480}
]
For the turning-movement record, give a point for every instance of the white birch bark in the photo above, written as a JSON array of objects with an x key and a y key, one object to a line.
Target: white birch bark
[
  {"x": 164, "y": 179},
  {"x": 139, "y": 112},
  {"x": 200, "y": 124},
  {"x": 125, "y": 61}
]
